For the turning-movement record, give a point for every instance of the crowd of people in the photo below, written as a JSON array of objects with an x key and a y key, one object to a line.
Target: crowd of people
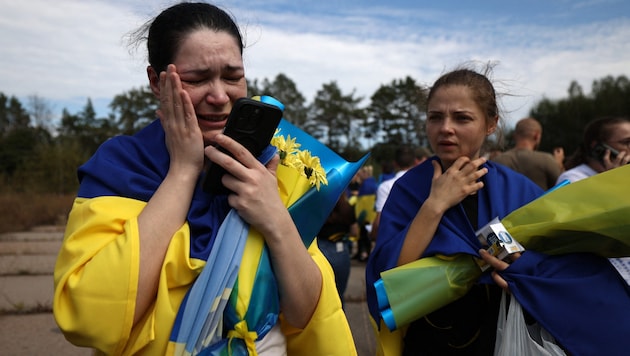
[{"x": 142, "y": 229}]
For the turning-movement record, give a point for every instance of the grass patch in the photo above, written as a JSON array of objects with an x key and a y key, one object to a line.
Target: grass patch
[
  {"x": 23, "y": 211},
  {"x": 21, "y": 309}
]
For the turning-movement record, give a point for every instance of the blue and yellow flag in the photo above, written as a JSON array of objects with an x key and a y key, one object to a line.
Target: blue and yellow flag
[
  {"x": 235, "y": 302},
  {"x": 563, "y": 279}
]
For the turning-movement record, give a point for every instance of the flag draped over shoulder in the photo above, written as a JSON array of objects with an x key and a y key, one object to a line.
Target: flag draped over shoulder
[
  {"x": 563, "y": 279},
  {"x": 116, "y": 183},
  {"x": 237, "y": 290},
  {"x": 455, "y": 235}
]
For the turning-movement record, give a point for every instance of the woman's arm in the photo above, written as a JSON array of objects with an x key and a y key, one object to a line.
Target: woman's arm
[
  {"x": 167, "y": 209},
  {"x": 447, "y": 190},
  {"x": 258, "y": 202}
]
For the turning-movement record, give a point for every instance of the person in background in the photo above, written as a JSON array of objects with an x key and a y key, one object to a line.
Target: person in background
[
  {"x": 541, "y": 167},
  {"x": 421, "y": 154},
  {"x": 332, "y": 240},
  {"x": 405, "y": 157},
  {"x": 436, "y": 207},
  {"x": 388, "y": 171},
  {"x": 141, "y": 228},
  {"x": 362, "y": 198},
  {"x": 591, "y": 157}
]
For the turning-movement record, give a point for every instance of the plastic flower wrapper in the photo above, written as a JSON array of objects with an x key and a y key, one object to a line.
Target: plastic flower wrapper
[
  {"x": 313, "y": 185},
  {"x": 590, "y": 216},
  {"x": 449, "y": 279},
  {"x": 237, "y": 287}
]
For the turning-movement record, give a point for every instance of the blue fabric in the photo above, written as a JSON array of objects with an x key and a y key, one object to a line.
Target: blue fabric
[
  {"x": 579, "y": 298},
  {"x": 134, "y": 167},
  {"x": 339, "y": 261},
  {"x": 368, "y": 186},
  {"x": 202, "y": 309},
  {"x": 311, "y": 211},
  {"x": 504, "y": 191}
]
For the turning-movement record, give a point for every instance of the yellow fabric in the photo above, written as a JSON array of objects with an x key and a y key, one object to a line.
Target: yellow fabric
[
  {"x": 388, "y": 343},
  {"x": 96, "y": 278},
  {"x": 364, "y": 208},
  {"x": 247, "y": 273},
  {"x": 241, "y": 331},
  {"x": 328, "y": 332}
]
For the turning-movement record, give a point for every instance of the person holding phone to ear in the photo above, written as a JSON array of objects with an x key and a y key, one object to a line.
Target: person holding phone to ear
[
  {"x": 605, "y": 145},
  {"x": 141, "y": 228}
]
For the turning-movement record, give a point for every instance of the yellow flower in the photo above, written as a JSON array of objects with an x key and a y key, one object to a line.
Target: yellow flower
[
  {"x": 312, "y": 169},
  {"x": 291, "y": 156},
  {"x": 286, "y": 148}
]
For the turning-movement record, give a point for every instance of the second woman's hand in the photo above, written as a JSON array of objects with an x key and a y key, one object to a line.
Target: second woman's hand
[{"x": 498, "y": 266}]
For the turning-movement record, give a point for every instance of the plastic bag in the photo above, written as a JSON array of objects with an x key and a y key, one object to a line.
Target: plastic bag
[{"x": 515, "y": 337}]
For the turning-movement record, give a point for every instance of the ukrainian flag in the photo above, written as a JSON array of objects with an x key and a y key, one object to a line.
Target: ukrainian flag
[
  {"x": 563, "y": 279},
  {"x": 237, "y": 290}
]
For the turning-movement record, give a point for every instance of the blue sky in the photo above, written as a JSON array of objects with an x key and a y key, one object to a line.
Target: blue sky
[{"x": 76, "y": 49}]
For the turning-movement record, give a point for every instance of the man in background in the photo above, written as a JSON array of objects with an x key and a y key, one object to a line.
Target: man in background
[{"x": 540, "y": 167}]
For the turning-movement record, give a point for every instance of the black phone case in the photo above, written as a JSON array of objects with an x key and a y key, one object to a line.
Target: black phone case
[
  {"x": 599, "y": 150},
  {"x": 252, "y": 124}
]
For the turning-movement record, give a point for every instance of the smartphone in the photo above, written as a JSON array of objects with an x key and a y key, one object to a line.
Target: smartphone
[
  {"x": 252, "y": 124},
  {"x": 599, "y": 150}
]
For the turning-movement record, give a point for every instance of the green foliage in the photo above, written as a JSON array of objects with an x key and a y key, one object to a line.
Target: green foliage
[
  {"x": 564, "y": 120},
  {"x": 398, "y": 110},
  {"x": 37, "y": 157},
  {"x": 134, "y": 109},
  {"x": 333, "y": 117},
  {"x": 13, "y": 116},
  {"x": 285, "y": 90}
]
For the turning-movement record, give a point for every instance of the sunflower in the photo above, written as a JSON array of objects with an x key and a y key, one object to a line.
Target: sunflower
[{"x": 291, "y": 156}]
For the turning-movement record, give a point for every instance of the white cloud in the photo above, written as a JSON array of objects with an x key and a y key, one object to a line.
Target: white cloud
[
  {"x": 75, "y": 49},
  {"x": 70, "y": 49}
]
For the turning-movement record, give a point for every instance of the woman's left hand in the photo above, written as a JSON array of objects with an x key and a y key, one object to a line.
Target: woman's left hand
[{"x": 498, "y": 266}]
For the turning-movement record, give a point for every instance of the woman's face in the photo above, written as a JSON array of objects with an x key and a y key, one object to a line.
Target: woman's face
[
  {"x": 456, "y": 125},
  {"x": 211, "y": 70},
  {"x": 620, "y": 138}
]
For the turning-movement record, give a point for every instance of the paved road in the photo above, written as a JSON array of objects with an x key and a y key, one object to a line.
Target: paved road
[{"x": 27, "y": 326}]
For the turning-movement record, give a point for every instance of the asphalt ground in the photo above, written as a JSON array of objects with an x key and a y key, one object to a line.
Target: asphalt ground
[{"x": 27, "y": 326}]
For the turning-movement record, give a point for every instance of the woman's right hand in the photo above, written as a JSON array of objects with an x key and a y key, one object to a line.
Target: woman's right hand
[
  {"x": 447, "y": 189},
  {"x": 184, "y": 140},
  {"x": 621, "y": 159},
  {"x": 460, "y": 180}
]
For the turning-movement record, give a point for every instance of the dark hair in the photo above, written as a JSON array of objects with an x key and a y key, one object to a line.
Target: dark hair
[
  {"x": 480, "y": 85},
  {"x": 598, "y": 130},
  {"x": 167, "y": 30},
  {"x": 481, "y": 88}
]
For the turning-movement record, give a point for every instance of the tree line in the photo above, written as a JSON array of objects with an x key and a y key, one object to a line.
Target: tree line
[{"x": 37, "y": 155}]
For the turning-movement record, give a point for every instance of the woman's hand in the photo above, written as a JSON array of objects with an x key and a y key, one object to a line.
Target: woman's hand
[
  {"x": 621, "y": 159},
  {"x": 254, "y": 186},
  {"x": 498, "y": 266},
  {"x": 256, "y": 199},
  {"x": 184, "y": 140},
  {"x": 460, "y": 180},
  {"x": 447, "y": 189}
]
